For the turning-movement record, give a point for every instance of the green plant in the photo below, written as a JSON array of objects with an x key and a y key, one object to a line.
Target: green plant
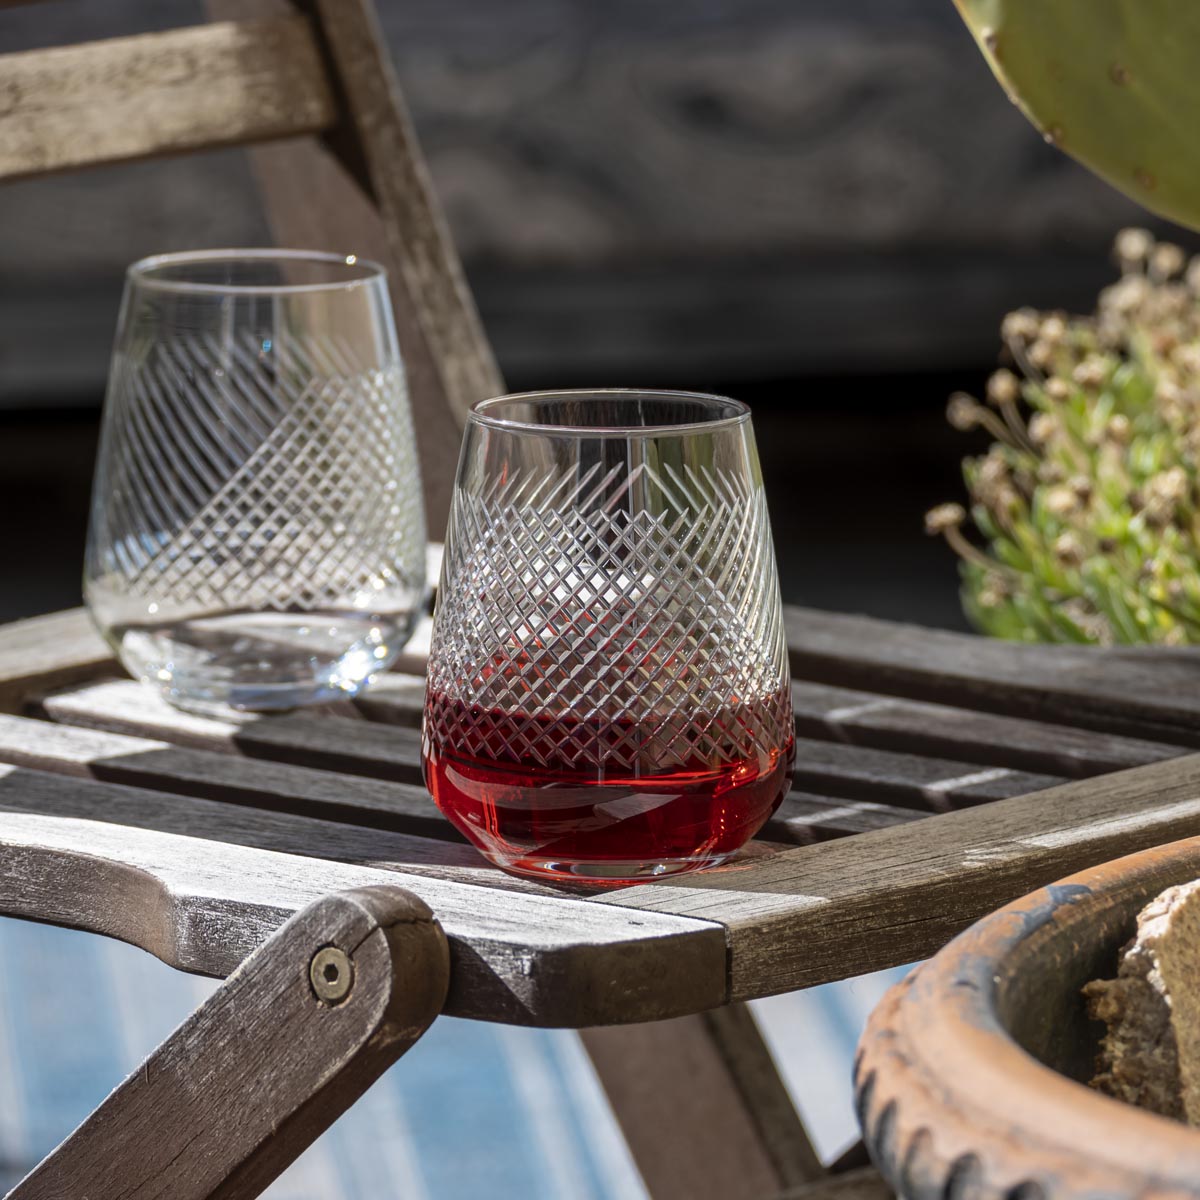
[
  {"x": 1087, "y": 499},
  {"x": 1112, "y": 82}
]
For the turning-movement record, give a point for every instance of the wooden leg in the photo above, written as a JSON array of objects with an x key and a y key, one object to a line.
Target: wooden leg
[
  {"x": 702, "y": 1107},
  {"x": 303, "y": 1027},
  {"x": 863, "y": 1183},
  {"x": 365, "y": 189}
]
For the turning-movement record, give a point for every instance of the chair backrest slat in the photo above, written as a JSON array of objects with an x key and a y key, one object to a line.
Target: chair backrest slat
[{"x": 136, "y": 97}]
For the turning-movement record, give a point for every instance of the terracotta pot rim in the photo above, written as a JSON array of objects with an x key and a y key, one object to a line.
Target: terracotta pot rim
[{"x": 943, "y": 1087}]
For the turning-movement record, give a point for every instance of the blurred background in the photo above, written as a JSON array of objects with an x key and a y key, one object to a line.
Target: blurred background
[{"x": 822, "y": 208}]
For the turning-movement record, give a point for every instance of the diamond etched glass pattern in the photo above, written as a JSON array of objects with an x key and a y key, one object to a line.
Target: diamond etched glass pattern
[
  {"x": 608, "y": 687},
  {"x": 257, "y": 533}
]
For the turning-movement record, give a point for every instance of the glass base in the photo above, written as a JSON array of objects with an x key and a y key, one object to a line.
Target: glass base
[
  {"x": 605, "y": 874},
  {"x": 213, "y": 698},
  {"x": 262, "y": 662}
]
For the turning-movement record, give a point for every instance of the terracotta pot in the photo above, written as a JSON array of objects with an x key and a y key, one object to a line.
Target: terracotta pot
[{"x": 969, "y": 1076}]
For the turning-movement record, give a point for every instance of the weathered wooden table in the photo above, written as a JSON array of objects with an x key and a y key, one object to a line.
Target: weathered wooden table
[{"x": 938, "y": 776}]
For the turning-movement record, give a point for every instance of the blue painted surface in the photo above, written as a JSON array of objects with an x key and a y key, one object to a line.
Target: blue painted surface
[{"x": 473, "y": 1110}]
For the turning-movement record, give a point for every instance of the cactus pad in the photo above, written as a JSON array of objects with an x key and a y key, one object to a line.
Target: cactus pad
[{"x": 1114, "y": 83}]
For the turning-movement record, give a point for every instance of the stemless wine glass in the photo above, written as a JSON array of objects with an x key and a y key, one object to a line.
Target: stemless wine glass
[
  {"x": 608, "y": 695},
  {"x": 257, "y": 534}
]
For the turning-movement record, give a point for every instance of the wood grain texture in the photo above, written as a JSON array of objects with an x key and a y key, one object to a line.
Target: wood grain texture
[
  {"x": 365, "y": 189},
  {"x": 864, "y": 1183},
  {"x": 48, "y": 652},
  {"x": 203, "y": 905},
  {"x": 702, "y": 1107},
  {"x": 160, "y": 93},
  {"x": 417, "y": 233},
  {"x": 863, "y": 903},
  {"x": 320, "y": 741},
  {"x": 263, "y": 1067},
  {"x": 142, "y": 762},
  {"x": 394, "y": 752},
  {"x": 357, "y": 804},
  {"x": 832, "y": 768},
  {"x": 803, "y": 818},
  {"x": 940, "y": 730},
  {"x": 1142, "y": 692}
]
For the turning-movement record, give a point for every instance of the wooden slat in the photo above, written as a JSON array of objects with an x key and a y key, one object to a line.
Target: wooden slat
[
  {"x": 160, "y": 93},
  {"x": 1144, "y": 692},
  {"x": 390, "y": 752},
  {"x": 201, "y": 905},
  {"x": 831, "y": 768},
  {"x": 355, "y": 799},
  {"x": 892, "y": 723},
  {"x": 833, "y": 714},
  {"x": 49, "y": 652},
  {"x": 142, "y": 762},
  {"x": 328, "y": 743},
  {"x": 803, "y": 818},
  {"x": 863, "y": 903},
  {"x": 179, "y": 811}
]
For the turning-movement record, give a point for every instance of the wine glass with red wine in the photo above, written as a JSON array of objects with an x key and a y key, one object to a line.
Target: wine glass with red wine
[{"x": 608, "y": 695}]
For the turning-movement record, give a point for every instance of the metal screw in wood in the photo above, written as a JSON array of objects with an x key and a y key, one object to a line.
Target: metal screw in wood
[{"x": 332, "y": 974}]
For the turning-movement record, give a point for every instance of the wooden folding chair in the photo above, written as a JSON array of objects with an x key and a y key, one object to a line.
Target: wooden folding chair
[{"x": 308, "y": 87}]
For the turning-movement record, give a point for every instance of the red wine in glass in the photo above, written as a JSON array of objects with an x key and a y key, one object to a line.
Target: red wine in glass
[{"x": 589, "y": 805}]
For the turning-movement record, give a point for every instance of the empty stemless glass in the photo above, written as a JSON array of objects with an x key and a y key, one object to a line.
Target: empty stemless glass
[
  {"x": 257, "y": 534},
  {"x": 608, "y": 695}
]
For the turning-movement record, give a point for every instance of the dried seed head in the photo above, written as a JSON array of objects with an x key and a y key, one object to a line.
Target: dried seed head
[
  {"x": 993, "y": 470},
  {"x": 1060, "y": 501},
  {"x": 1051, "y": 472},
  {"x": 1053, "y": 329},
  {"x": 1125, "y": 296},
  {"x": 1058, "y": 389},
  {"x": 1133, "y": 246},
  {"x": 1069, "y": 551},
  {"x": 1089, "y": 620},
  {"x": 1107, "y": 545},
  {"x": 1192, "y": 275},
  {"x": 1187, "y": 359},
  {"x": 1019, "y": 326},
  {"x": 944, "y": 517},
  {"x": 1164, "y": 341},
  {"x": 993, "y": 591},
  {"x": 1169, "y": 487},
  {"x": 1003, "y": 387},
  {"x": 1041, "y": 354},
  {"x": 1083, "y": 487},
  {"x": 1166, "y": 259},
  {"x": 962, "y": 412},
  {"x": 1119, "y": 429},
  {"x": 1042, "y": 428},
  {"x": 1091, "y": 373}
]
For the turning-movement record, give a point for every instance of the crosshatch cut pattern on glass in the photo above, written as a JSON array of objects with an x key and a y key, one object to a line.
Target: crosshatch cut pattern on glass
[{"x": 559, "y": 599}]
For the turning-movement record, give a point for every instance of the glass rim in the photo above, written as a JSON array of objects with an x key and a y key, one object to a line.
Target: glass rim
[
  {"x": 142, "y": 271},
  {"x": 734, "y": 414}
]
